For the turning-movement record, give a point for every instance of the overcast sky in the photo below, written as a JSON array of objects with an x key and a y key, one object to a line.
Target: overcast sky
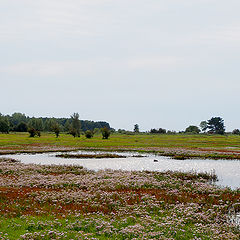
[{"x": 157, "y": 63}]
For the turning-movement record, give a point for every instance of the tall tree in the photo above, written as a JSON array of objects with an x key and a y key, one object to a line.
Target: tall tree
[
  {"x": 76, "y": 125},
  {"x": 4, "y": 124},
  {"x": 35, "y": 126},
  {"x": 203, "y": 125},
  {"x": 136, "y": 128},
  {"x": 56, "y": 128},
  {"x": 216, "y": 125}
]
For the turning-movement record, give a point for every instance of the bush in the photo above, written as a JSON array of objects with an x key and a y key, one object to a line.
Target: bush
[
  {"x": 158, "y": 131},
  {"x": 193, "y": 130},
  {"x": 236, "y": 132},
  {"x": 88, "y": 134},
  {"x": 32, "y": 131},
  {"x": 73, "y": 132},
  {"x": 105, "y": 132}
]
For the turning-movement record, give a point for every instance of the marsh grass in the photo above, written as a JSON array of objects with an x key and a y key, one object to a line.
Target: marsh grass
[
  {"x": 70, "y": 202},
  {"x": 103, "y": 155},
  {"x": 106, "y": 155}
]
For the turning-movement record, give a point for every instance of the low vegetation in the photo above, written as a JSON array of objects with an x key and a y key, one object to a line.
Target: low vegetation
[
  {"x": 70, "y": 202},
  {"x": 106, "y": 155},
  {"x": 177, "y": 146}
]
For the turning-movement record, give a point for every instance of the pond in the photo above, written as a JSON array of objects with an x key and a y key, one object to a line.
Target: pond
[{"x": 228, "y": 171}]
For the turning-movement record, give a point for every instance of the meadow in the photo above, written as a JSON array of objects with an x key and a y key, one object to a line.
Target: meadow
[
  {"x": 179, "y": 145},
  {"x": 70, "y": 202}
]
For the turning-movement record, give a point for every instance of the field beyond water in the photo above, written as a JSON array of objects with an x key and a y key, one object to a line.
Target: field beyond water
[
  {"x": 178, "y": 146},
  {"x": 70, "y": 202}
]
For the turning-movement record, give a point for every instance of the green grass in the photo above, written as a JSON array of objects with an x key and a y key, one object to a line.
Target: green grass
[
  {"x": 177, "y": 146},
  {"x": 128, "y": 141}
]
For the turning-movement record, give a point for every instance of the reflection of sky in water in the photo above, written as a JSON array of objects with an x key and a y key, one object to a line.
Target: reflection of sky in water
[{"x": 228, "y": 171}]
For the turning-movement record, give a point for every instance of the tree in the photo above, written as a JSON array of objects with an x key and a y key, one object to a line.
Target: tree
[
  {"x": 67, "y": 126},
  {"x": 49, "y": 124},
  {"x": 216, "y": 125},
  {"x": 56, "y": 128},
  {"x": 192, "y": 129},
  {"x": 105, "y": 132},
  {"x": 236, "y": 132},
  {"x": 21, "y": 127},
  {"x": 88, "y": 134},
  {"x": 96, "y": 130},
  {"x": 159, "y": 131},
  {"x": 4, "y": 124},
  {"x": 203, "y": 126},
  {"x": 76, "y": 125},
  {"x": 136, "y": 128},
  {"x": 35, "y": 126},
  {"x": 17, "y": 118},
  {"x": 32, "y": 131},
  {"x": 73, "y": 132}
]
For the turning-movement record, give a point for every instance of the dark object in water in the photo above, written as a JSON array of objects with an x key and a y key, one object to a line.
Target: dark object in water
[{"x": 155, "y": 160}]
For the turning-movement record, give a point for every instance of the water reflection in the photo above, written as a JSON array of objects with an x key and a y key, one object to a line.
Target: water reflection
[{"x": 227, "y": 170}]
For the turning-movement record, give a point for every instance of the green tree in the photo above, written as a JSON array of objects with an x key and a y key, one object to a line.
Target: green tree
[
  {"x": 76, "y": 125},
  {"x": 105, "y": 132},
  {"x": 96, "y": 131},
  {"x": 48, "y": 124},
  {"x": 17, "y": 118},
  {"x": 236, "y": 132},
  {"x": 56, "y": 129},
  {"x": 67, "y": 126},
  {"x": 89, "y": 134},
  {"x": 192, "y": 129},
  {"x": 216, "y": 125},
  {"x": 136, "y": 128},
  {"x": 32, "y": 131},
  {"x": 35, "y": 126},
  {"x": 21, "y": 127},
  {"x": 203, "y": 125},
  {"x": 4, "y": 124}
]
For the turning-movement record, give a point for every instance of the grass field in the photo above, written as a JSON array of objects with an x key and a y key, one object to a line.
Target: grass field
[{"x": 215, "y": 146}]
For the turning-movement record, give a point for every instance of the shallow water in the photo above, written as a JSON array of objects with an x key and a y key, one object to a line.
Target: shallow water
[{"x": 228, "y": 171}]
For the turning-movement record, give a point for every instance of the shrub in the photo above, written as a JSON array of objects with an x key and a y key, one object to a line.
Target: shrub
[
  {"x": 158, "y": 131},
  {"x": 32, "y": 131},
  {"x": 236, "y": 131},
  {"x": 193, "y": 130},
  {"x": 88, "y": 134},
  {"x": 73, "y": 132},
  {"x": 105, "y": 132}
]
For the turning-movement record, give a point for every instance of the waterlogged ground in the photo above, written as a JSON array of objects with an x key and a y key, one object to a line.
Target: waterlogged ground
[
  {"x": 70, "y": 202},
  {"x": 227, "y": 171}
]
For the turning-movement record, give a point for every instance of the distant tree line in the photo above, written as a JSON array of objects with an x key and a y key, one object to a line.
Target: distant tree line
[
  {"x": 19, "y": 122},
  {"x": 215, "y": 125}
]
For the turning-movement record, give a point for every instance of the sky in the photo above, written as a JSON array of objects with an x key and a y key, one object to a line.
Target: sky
[{"x": 157, "y": 63}]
